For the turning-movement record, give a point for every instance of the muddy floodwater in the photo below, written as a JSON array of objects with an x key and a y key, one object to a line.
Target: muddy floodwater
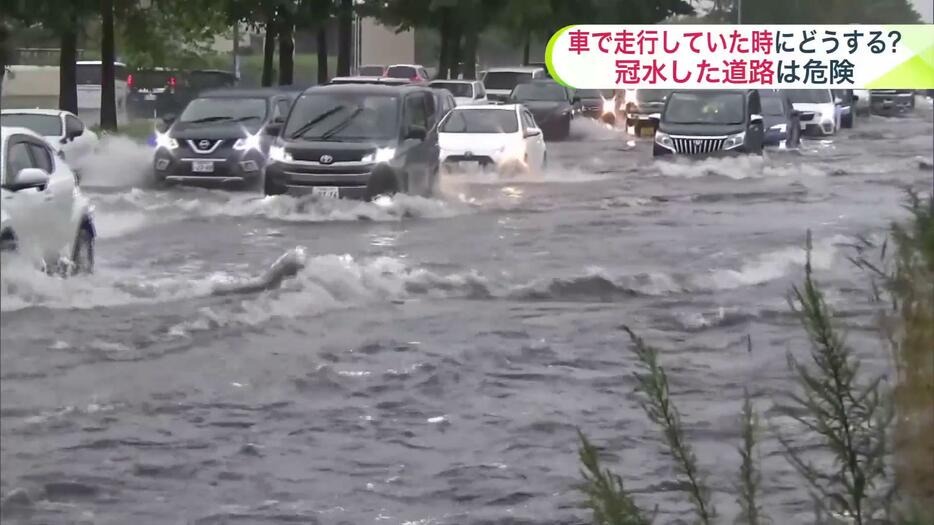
[{"x": 243, "y": 360}]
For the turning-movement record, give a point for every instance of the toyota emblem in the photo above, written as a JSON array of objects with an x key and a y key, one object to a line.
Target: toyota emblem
[
  {"x": 698, "y": 142},
  {"x": 204, "y": 144},
  {"x": 326, "y": 159}
]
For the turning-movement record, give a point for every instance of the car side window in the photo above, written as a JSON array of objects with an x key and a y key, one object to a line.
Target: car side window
[
  {"x": 282, "y": 109},
  {"x": 415, "y": 112},
  {"x": 41, "y": 157},
  {"x": 18, "y": 158},
  {"x": 73, "y": 126},
  {"x": 527, "y": 120},
  {"x": 423, "y": 73}
]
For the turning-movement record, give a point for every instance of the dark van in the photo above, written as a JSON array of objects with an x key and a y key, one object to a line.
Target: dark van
[
  {"x": 709, "y": 123},
  {"x": 357, "y": 141}
]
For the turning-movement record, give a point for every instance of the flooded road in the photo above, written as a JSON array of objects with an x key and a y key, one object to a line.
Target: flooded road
[{"x": 236, "y": 359}]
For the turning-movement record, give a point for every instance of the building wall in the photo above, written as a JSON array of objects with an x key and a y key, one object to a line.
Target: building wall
[{"x": 382, "y": 45}]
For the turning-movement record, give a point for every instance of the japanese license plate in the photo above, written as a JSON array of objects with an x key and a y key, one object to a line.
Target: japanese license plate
[
  {"x": 150, "y": 96},
  {"x": 330, "y": 192},
  {"x": 646, "y": 131},
  {"x": 202, "y": 166},
  {"x": 469, "y": 164}
]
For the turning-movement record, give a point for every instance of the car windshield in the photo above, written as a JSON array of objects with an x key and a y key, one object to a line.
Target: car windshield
[
  {"x": 222, "y": 109},
  {"x": 401, "y": 72},
  {"x": 809, "y": 96},
  {"x": 45, "y": 125},
  {"x": 704, "y": 108},
  {"x": 370, "y": 71},
  {"x": 344, "y": 116},
  {"x": 481, "y": 121},
  {"x": 540, "y": 91},
  {"x": 652, "y": 95},
  {"x": 149, "y": 79},
  {"x": 772, "y": 106},
  {"x": 505, "y": 79},
  {"x": 458, "y": 89}
]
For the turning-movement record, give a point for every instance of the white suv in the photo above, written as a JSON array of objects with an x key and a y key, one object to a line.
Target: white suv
[{"x": 43, "y": 214}]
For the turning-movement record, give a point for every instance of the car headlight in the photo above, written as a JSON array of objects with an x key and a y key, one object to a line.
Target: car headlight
[
  {"x": 380, "y": 155},
  {"x": 663, "y": 139},
  {"x": 781, "y": 128},
  {"x": 247, "y": 143},
  {"x": 163, "y": 140},
  {"x": 279, "y": 154},
  {"x": 735, "y": 140},
  {"x": 609, "y": 105}
]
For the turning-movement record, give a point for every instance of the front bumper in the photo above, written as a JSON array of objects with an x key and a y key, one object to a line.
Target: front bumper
[
  {"x": 227, "y": 166},
  {"x": 300, "y": 178},
  {"x": 890, "y": 105},
  {"x": 774, "y": 137},
  {"x": 819, "y": 127}
]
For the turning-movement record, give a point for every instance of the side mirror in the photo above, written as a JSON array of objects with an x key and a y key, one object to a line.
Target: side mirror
[
  {"x": 755, "y": 118},
  {"x": 168, "y": 119},
  {"x": 576, "y": 99},
  {"x": 655, "y": 118},
  {"x": 416, "y": 133},
  {"x": 274, "y": 127},
  {"x": 31, "y": 178},
  {"x": 532, "y": 132},
  {"x": 837, "y": 100}
]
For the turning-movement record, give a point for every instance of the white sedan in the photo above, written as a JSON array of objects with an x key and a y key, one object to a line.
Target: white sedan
[
  {"x": 43, "y": 214},
  {"x": 63, "y": 130},
  {"x": 466, "y": 92},
  {"x": 504, "y": 137}
]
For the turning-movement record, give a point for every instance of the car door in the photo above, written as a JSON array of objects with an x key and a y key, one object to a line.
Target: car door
[
  {"x": 60, "y": 193},
  {"x": 534, "y": 143},
  {"x": 31, "y": 210},
  {"x": 415, "y": 152}
]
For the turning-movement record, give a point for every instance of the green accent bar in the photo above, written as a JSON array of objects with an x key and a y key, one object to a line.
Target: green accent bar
[{"x": 548, "y": 50}]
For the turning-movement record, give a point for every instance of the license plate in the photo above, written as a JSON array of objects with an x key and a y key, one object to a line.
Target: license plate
[
  {"x": 469, "y": 164},
  {"x": 150, "y": 96},
  {"x": 202, "y": 166},
  {"x": 646, "y": 131},
  {"x": 330, "y": 192}
]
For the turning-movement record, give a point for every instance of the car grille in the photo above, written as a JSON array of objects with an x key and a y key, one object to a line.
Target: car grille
[
  {"x": 483, "y": 160},
  {"x": 697, "y": 145},
  {"x": 307, "y": 155},
  {"x": 203, "y": 146}
]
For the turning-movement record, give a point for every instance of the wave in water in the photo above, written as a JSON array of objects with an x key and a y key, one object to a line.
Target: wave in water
[
  {"x": 117, "y": 162},
  {"x": 737, "y": 168}
]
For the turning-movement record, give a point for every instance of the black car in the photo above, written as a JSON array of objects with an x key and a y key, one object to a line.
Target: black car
[
  {"x": 781, "y": 121},
  {"x": 358, "y": 141},
  {"x": 190, "y": 84},
  {"x": 144, "y": 89},
  {"x": 552, "y": 105},
  {"x": 709, "y": 123},
  {"x": 891, "y": 101},
  {"x": 640, "y": 107},
  {"x": 222, "y": 136},
  {"x": 600, "y": 104}
]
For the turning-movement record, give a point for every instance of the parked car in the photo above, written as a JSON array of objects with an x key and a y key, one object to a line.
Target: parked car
[
  {"x": 363, "y": 141},
  {"x": 63, "y": 130},
  {"x": 88, "y": 79},
  {"x": 412, "y": 72},
  {"x": 371, "y": 71},
  {"x": 605, "y": 105},
  {"x": 505, "y": 137},
  {"x": 639, "y": 108},
  {"x": 891, "y": 101},
  {"x": 819, "y": 115},
  {"x": 145, "y": 86},
  {"x": 466, "y": 92},
  {"x": 552, "y": 105},
  {"x": 709, "y": 123},
  {"x": 43, "y": 214},
  {"x": 781, "y": 121},
  {"x": 845, "y": 100},
  {"x": 222, "y": 136},
  {"x": 499, "y": 82}
]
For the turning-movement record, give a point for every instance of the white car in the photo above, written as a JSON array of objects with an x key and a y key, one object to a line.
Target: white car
[
  {"x": 504, "y": 137},
  {"x": 499, "y": 82},
  {"x": 819, "y": 114},
  {"x": 43, "y": 214},
  {"x": 466, "y": 92},
  {"x": 411, "y": 72},
  {"x": 63, "y": 130},
  {"x": 88, "y": 77}
]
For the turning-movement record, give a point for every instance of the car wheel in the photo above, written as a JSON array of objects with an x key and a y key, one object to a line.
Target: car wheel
[
  {"x": 382, "y": 182},
  {"x": 82, "y": 256}
]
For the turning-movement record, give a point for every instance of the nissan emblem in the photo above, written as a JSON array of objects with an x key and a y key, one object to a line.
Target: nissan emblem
[
  {"x": 326, "y": 159},
  {"x": 204, "y": 144}
]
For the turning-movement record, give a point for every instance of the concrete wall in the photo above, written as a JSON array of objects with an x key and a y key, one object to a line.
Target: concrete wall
[
  {"x": 30, "y": 87},
  {"x": 382, "y": 45}
]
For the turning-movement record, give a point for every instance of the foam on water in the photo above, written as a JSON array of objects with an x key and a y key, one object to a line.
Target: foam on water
[
  {"x": 737, "y": 168},
  {"x": 118, "y": 161}
]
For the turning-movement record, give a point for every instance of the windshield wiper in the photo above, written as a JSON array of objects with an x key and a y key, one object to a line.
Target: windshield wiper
[
  {"x": 338, "y": 128},
  {"x": 310, "y": 124},
  {"x": 209, "y": 119}
]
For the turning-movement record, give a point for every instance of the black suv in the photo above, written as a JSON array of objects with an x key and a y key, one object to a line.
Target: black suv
[
  {"x": 357, "y": 141},
  {"x": 709, "y": 123},
  {"x": 221, "y": 136},
  {"x": 552, "y": 105}
]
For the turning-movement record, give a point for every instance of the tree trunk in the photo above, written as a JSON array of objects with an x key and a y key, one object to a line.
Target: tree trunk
[
  {"x": 269, "y": 51},
  {"x": 322, "y": 38},
  {"x": 6, "y": 54},
  {"x": 108, "y": 93},
  {"x": 67, "y": 71},
  {"x": 444, "y": 65},
  {"x": 525, "y": 48},
  {"x": 344, "y": 37},
  {"x": 470, "y": 53},
  {"x": 455, "y": 48},
  {"x": 286, "y": 49}
]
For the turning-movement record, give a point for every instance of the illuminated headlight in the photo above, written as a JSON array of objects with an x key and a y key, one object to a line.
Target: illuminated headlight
[
  {"x": 163, "y": 140},
  {"x": 247, "y": 143},
  {"x": 279, "y": 154},
  {"x": 609, "y": 105},
  {"x": 781, "y": 128},
  {"x": 735, "y": 140},
  {"x": 664, "y": 140},
  {"x": 380, "y": 155}
]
